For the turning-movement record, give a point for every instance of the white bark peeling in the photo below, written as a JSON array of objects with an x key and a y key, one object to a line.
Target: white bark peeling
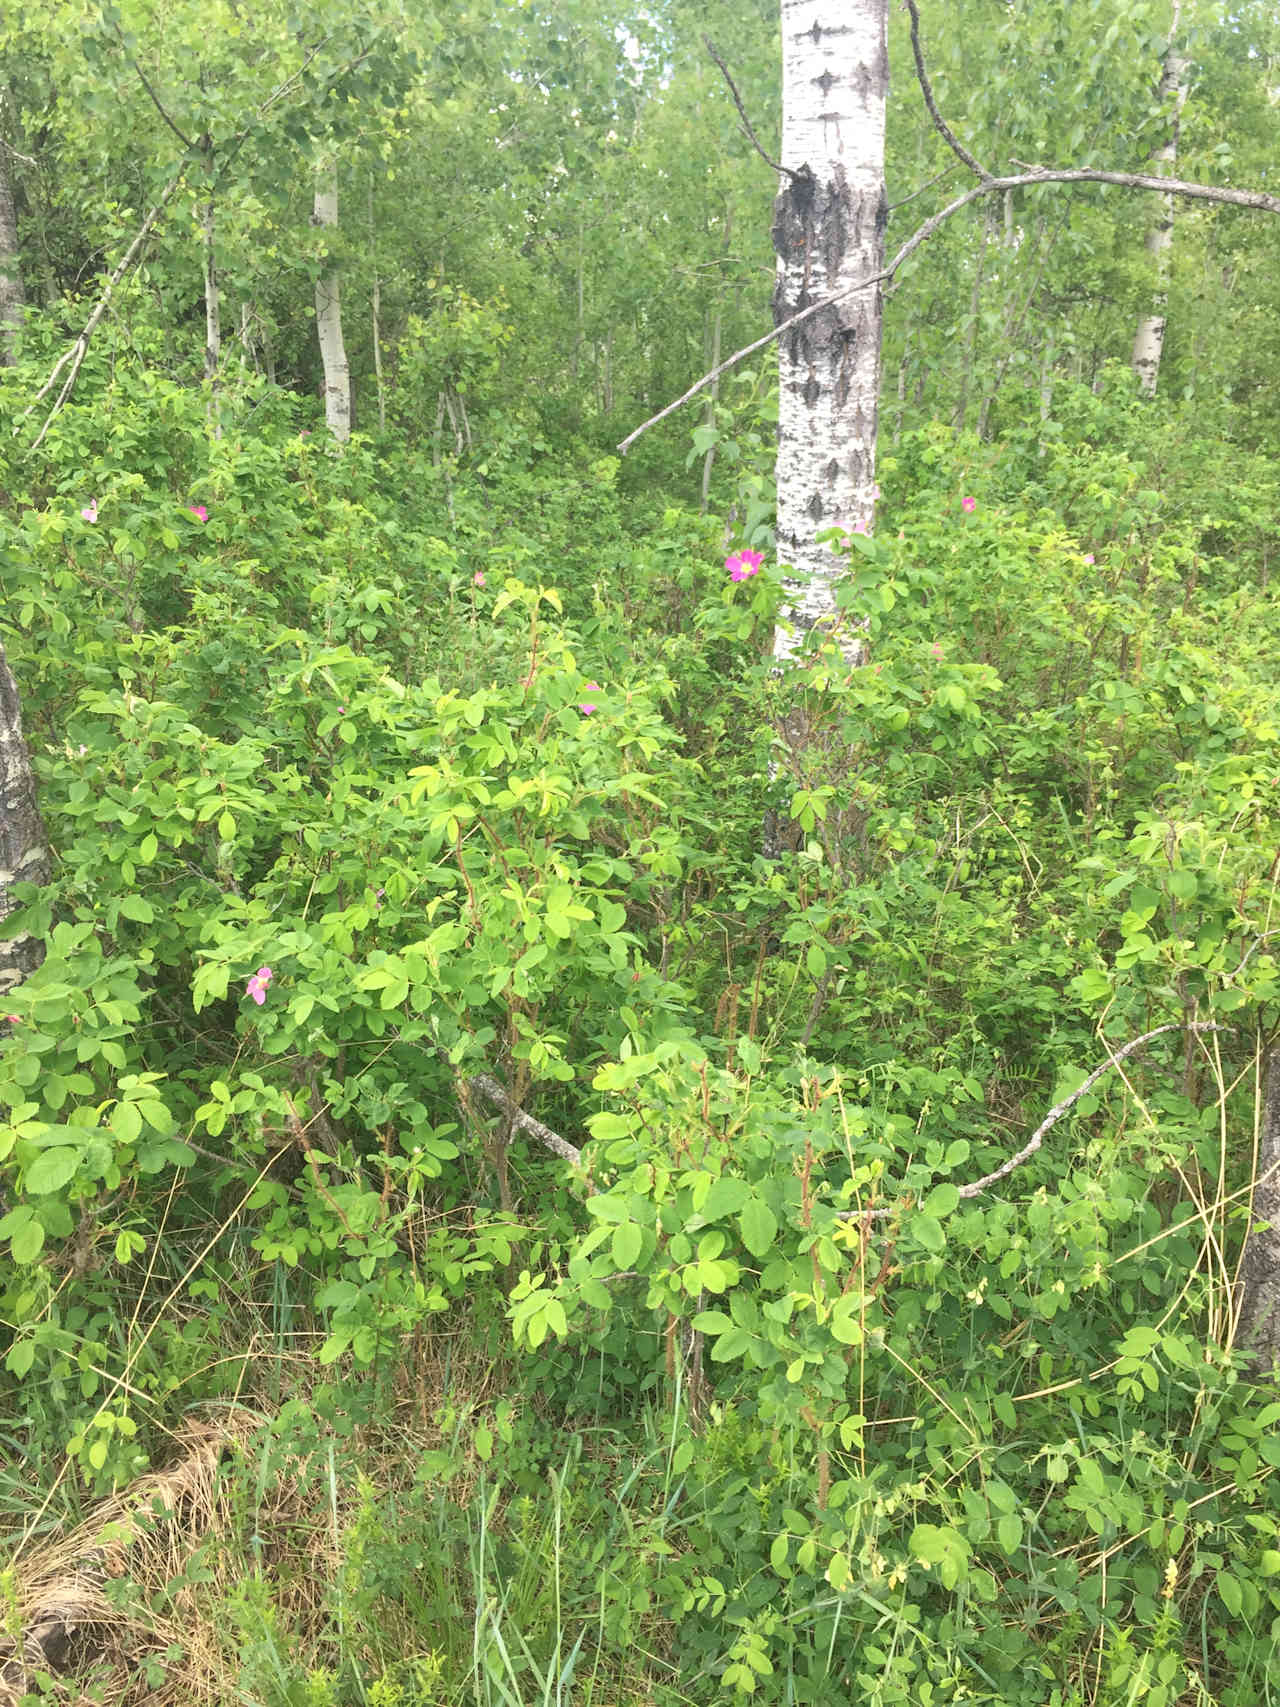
[
  {"x": 333, "y": 352},
  {"x": 829, "y": 233}
]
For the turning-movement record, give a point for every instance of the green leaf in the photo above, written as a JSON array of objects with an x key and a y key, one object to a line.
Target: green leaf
[
  {"x": 21, "y": 1355},
  {"x": 628, "y": 1240},
  {"x": 1230, "y": 1591},
  {"x": 27, "y": 1241},
  {"x": 943, "y": 1549},
  {"x": 845, "y": 1324},
  {"x": 1009, "y": 1532},
  {"x": 941, "y": 1200},
  {"x": 928, "y": 1231},
  {"x": 608, "y": 1127},
  {"x": 758, "y": 1226},
  {"x": 51, "y": 1170},
  {"x": 126, "y": 1122},
  {"x": 726, "y": 1196}
]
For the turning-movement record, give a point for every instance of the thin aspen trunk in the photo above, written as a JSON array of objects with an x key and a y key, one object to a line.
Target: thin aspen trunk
[
  {"x": 1046, "y": 389},
  {"x": 212, "y": 320},
  {"x": 377, "y": 326},
  {"x": 904, "y": 367},
  {"x": 12, "y": 296},
  {"x": 717, "y": 325},
  {"x": 333, "y": 352},
  {"x": 713, "y": 396},
  {"x": 249, "y": 341},
  {"x": 1014, "y": 320},
  {"x": 24, "y": 843},
  {"x": 975, "y": 309},
  {"x": 828, "y": 233},
  {"x": 1148, "y": 342},
  {"x": 580, "y": 312}
]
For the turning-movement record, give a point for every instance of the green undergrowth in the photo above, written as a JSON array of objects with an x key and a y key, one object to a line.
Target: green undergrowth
[{"x": 370, "y": 778}]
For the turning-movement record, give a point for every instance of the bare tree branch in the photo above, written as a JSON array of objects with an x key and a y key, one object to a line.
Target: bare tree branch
[
  {"x": 742, "y": 112},
  {"x": 155, "y": 99},
  {"x": 1056, "y": 1113},
  {"x": 990, "y": 187},
  {"x": 493, "y": 1092},
  {"x": 926, "y": 89},
  {"x": 76, "y": 354},
  {"x": 927, "y": 185},
  {"x": 1050, "y": 1120}
]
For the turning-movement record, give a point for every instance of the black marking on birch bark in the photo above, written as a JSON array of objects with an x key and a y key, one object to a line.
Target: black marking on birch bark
[
  {"x": 814, "y": 508},
  {"x": 811, "y": 392}
]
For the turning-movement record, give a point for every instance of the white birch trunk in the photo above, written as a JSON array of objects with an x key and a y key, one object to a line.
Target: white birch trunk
[
  {"x": 24, "y": 845},
  {"x": 1148, "y": 342},
  {"x": 11, "y": 294},
  {"x": 333, "y": 352},
  {"x": 828, "y": 231},
  {"x": 212, "y": 314}
]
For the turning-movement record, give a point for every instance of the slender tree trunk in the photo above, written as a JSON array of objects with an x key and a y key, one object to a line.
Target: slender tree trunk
[
  {"x": 975, "y": 315},
  {"x": 713, "y": 397},
  {"x": 904, "y": 368},
  {"x": 24, "y": 845},
  {"x": 828, "y": 231},
  {"x": 1046, "y": 388},
  {"x": 12, "y": 299},
  {"x": 580, "y": 308},
  {"x": 1258, "y": 1326},
  {"x": 212, "y": 315},
  {"x": 333, "y": 352},
  {"x": 377, "y": 325},
  {"x": 1148, "y": 341}
]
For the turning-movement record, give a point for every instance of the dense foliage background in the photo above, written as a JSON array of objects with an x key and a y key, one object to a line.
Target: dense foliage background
[{"x": 382, "y": 776}]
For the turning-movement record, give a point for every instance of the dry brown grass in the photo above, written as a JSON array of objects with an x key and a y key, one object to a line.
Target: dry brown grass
[
  {"x": 107, "y": 1610},
  {"x": 94, "y": 1609}
]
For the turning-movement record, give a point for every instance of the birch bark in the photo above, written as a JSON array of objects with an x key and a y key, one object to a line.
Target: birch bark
[
  {"x": 1258, "y": 1299},
  {"x": 828, "y": 232},
  {"x": 333, "y": 352},
  {"x": 11, "y": 294},
  {"x": 24, "y": 845},
  {"x": 1148, "y": 342}
]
